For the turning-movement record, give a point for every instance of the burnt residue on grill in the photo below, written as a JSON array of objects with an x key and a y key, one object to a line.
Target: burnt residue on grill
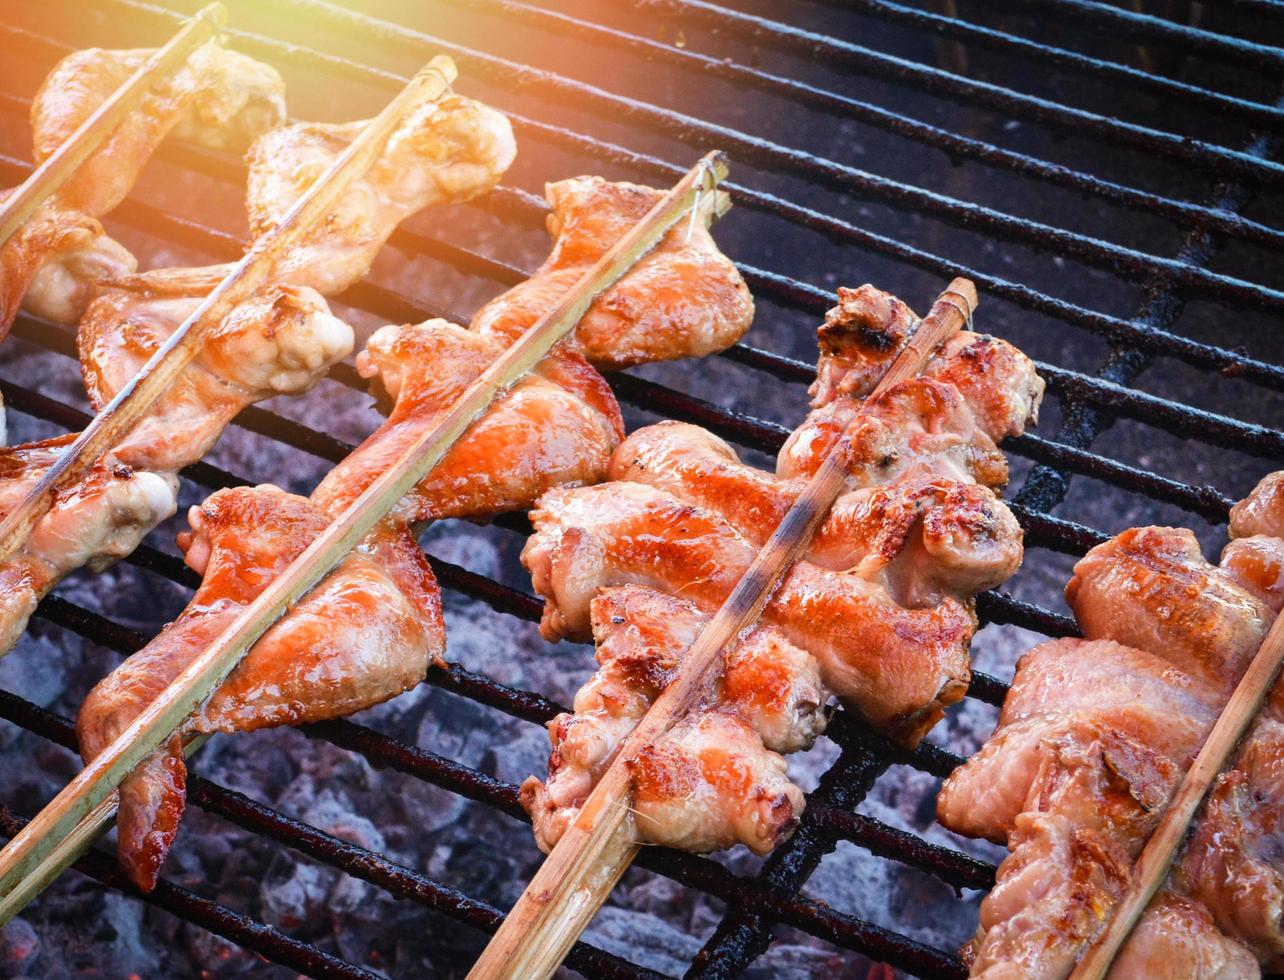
[{"x": 1110, "y": 183}]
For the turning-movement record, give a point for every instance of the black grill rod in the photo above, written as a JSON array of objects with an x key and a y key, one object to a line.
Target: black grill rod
[
  {"x": 806, "y": 296},
  {"x": 1098, "y": 69},
  {"x": 1082, "y": 421},
  {"x": 268, "y": 942},
  {"x": 952, "y": 144},
  {"x": 1127, "y": 263},
  {"x": 1119, "y": 22},
  {"x": 1215, "y": 159}
]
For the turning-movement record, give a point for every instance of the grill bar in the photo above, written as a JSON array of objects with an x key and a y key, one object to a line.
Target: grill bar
[
  {"x": 1134, "y": 25},
  {"x": 240, "y": 929},
  {"x": 1207, "y": 157},
  {"x": 1084, "y": 420},
  {"x": 1098, "y": 69}
]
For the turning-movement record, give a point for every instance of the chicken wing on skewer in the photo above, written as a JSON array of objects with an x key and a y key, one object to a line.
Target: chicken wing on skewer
[
  {"x": 367, "y": 633},
  {"x": 684, "y": 299},
  {"x": 280, "y": 343},
  {"x": 218, "y": 98},
  {"x": 1100, "y": 709},
  {"x": 881, "y": 605},
  {"x": 557, "y": 427},
  {"x": 769, "y": 700},
  {"x": 447, "y": 150}
]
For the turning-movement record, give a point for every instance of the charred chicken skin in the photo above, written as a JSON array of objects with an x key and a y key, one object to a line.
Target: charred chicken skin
[
  {"x": 880, "y": 607},
  {"x": 1095, "y": 736},
  {"x": 218, "y": 98},
  {"x": 372, "y": 628}
]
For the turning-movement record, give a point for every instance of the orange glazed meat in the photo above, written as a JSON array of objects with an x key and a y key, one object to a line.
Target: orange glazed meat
[
  {"x": 1093, "y": 739},
  {"x": 683, "y": 299},
  {"x": 368, "y": 632}
]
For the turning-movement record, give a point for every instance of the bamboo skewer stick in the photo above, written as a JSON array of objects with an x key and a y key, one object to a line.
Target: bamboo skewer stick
[
  {"x": 69, "y": 850},
  {"x": 596, "y": 849},
  {"x": 61, "y": 165},
  {"x": 32, "y": 846},
  {"x": 254, "y": 269},
  {"x": 1151, "y": 869}
]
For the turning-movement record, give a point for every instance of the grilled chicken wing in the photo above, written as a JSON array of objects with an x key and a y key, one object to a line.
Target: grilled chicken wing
[
  {"x": 283, "y": 341},
  {"x": 684, "y": 299},
  {"x": 1151, "y": 588},
  {"x": 716, "y": 780},
  {"x": 450, "y": 150},
  {"x": 219, "y": 98},
  {"x": 864, "y": 333},
  {"x": 556, "y": 427},
  {"x": 898, "y": 667},
  {"x": 366, "y": 633},
  {"x": 1121, "y": 724}
]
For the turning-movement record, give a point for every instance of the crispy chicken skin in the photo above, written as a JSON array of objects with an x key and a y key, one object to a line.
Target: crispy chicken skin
[
  {"x": 898, "y": 667},
  {"x": 557, "y": 427},
  {"x": 923, "y": 537},
  {"x": 444, "y": 151},
  {"x": 54, "y": 262},
  {"x": 716, "y": 781},
  {"x": 367, "y": 633},
  {"x": 219, "y": 98},
  {"x": 1141, "y": 711},
  {"x": 283, "y": 341},
  {"x": 684, "y": 299},
  {"x": 1151, "y": 588}
]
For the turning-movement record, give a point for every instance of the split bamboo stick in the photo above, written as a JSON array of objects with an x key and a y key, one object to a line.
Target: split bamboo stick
[
  {"x": 61, "y": 165},
  {"x": 1151, "y": 869},
  {"x": 31, "y": 848},
  {"x": 596, "y": 849},
  {"x": 254, "y": 269}
]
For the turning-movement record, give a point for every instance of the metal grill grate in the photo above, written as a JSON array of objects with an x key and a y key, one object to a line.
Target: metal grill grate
[{"x": 785, "y": 186}]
